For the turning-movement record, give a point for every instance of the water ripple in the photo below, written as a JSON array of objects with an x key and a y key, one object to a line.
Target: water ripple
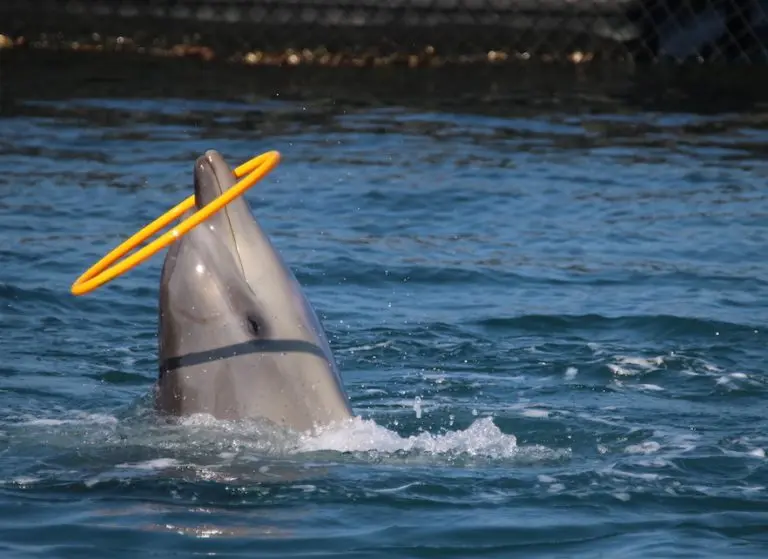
[{"x": 552, "y": 329}]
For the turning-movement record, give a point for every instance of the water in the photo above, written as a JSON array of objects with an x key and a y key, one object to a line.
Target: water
[{"x": 552, "y": 326}]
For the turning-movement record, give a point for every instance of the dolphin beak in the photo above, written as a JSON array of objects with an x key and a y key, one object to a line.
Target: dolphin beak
[{"x": 213, "y": 177}]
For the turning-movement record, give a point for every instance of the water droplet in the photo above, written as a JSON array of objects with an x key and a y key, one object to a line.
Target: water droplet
[{"x": 417, "y": 406}]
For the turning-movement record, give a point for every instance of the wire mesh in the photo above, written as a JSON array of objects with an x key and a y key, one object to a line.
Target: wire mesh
[{"x": 410, "y": 32}]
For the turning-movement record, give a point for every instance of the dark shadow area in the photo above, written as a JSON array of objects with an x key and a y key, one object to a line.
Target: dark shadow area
[
  {"x": 387, "y": 31},
  {"x": 408, "y": 32},
  {"x": 530, "y": 108},
  {"x": 509, "y": 90}
]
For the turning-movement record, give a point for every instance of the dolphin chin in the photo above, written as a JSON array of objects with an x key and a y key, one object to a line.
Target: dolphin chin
[{"x": 237, "y": 336}]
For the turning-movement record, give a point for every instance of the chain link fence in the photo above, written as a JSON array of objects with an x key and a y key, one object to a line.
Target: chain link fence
[{"x": 418, "y": 33}]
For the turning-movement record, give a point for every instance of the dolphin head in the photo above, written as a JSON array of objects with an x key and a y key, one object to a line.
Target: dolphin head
[{"x": 237, "y": 337}]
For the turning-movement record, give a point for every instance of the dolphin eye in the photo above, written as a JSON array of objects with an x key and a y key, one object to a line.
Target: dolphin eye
[{"x": 253, "y": 326}]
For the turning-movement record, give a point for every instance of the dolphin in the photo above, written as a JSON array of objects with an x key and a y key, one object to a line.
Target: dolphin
[{"x": 237, "y": 338}]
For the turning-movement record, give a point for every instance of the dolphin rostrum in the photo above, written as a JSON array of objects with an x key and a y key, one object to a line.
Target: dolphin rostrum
[{"x": 237, "y": 337}]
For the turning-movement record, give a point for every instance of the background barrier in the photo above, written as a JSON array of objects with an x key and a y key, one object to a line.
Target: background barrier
[{"x": 407, "y": 32}]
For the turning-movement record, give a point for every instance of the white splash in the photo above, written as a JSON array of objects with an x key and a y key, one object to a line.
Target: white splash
[
  {"x": 78, "y": 418},
  {"x": 647, "y": 447},
  {"x": 24, "y": 481},
  {"x": 234, "y": 443},
  {"x": 533, "y": 412},
  {"x": 149, "y": 465},
  {"x": 631, "y": 366},
  {"x": 736, "y": 381},
  {"x": 366, "y": 347},
  {"x": 417, "y": 407},
  {"x": 481, "y": 438},
  {"x": 650, "y": 387}
]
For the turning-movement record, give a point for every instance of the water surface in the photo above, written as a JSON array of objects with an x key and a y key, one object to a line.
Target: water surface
[{"x": 552, "y": 327}]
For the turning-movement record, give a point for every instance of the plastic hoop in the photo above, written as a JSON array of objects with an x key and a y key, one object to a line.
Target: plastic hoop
[{"x": 102, "y": 272}]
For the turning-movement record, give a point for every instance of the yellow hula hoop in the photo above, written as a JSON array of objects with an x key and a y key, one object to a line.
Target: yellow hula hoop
[{"x": 101, "y": 272}]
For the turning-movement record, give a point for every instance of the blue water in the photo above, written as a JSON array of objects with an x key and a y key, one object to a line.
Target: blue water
[{"x": 553, "y": 328}]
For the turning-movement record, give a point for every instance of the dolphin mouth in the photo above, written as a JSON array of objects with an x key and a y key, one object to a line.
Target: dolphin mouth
[{"x": 211, "y": 169}]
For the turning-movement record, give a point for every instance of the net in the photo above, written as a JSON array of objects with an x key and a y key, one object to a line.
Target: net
[{"x": 408, "y": 32}]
